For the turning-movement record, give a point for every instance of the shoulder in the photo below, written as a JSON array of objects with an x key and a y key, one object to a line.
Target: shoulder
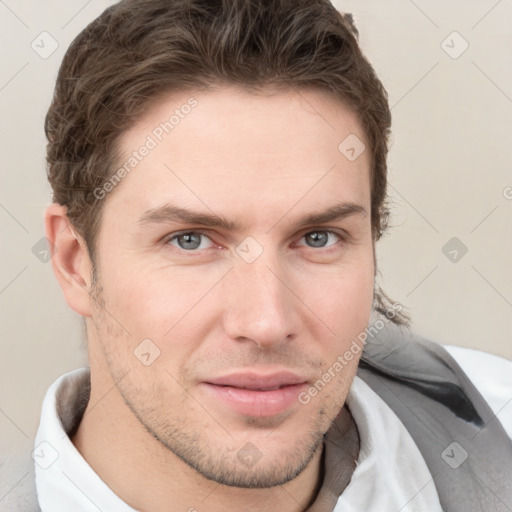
[
  {"x": 17, "y": 485},
  {"x": 492, "y": 377}
]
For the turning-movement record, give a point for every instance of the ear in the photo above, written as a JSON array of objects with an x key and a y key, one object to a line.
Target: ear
[{"x": 70, "y": 260}]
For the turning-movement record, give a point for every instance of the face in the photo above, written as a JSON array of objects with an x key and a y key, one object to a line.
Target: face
[{"x": 202, "y": 318}]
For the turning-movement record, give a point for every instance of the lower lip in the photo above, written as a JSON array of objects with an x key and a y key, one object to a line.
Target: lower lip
[{"x": 250, "y": 402}]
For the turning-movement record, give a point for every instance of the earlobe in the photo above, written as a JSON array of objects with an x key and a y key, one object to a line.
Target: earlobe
[{"x": 70, "y": 259}]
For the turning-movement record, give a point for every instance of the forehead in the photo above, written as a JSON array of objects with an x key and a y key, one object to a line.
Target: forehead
[{"x": 205, "y": 148}]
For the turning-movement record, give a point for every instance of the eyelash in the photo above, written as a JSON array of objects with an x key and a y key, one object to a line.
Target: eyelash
[{"x": 192, "y": 252}]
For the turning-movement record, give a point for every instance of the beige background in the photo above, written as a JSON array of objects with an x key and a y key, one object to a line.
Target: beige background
[{"x": 450, "y": 176}]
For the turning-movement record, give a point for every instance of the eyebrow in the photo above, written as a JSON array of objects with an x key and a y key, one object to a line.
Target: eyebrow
[{"x": 170, "y": 213}]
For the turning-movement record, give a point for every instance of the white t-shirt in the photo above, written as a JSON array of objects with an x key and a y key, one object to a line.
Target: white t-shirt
[{"x": 391, "y": 474}]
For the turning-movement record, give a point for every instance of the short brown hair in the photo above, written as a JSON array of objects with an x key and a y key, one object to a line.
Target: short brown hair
[{"x": 138, "y": 49}]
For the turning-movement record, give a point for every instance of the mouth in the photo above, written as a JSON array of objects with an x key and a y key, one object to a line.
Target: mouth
[
  {"x": 254, "y": 389},
  {"x": 256, "y": 395}
]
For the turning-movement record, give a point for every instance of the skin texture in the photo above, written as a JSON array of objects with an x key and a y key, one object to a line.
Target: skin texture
[{"x": 151, "y": 432}]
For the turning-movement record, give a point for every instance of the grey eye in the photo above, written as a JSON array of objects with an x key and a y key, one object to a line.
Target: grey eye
[
  {"x": 189, "y": 241},
  {"x": 317, "y": 238}
]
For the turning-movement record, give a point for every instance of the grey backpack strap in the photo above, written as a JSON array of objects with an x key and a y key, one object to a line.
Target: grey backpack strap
[
  {"x": 17, "y": 484},
  {"x": 464, "y": 445}
]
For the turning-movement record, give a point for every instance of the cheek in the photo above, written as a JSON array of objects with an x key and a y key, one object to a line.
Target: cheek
[
  {"x": 138, "y": 293},
  {"x": 357, "y": 295},
  {"x": 344, "y": 307},
  {"x": 160, "y": 306},
  {"x": 344, "y": 297}
]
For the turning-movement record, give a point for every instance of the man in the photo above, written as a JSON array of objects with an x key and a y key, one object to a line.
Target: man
[{"x": 219, "y": 178}]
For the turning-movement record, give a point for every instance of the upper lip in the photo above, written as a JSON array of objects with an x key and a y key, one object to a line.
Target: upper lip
[{"x": 258, "y": 381}]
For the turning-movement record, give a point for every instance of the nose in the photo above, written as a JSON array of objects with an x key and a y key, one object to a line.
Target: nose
[{"x": 260, "y": 302}]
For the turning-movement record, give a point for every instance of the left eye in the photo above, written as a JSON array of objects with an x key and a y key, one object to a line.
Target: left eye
[
  {"x": 319, "y": 237},
  {"x": 191, "y": 240}
]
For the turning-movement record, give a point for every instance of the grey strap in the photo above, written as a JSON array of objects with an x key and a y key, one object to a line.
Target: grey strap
[
  {"x": 464, "y": 445},
  {"x": 17, "y": 484}
]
